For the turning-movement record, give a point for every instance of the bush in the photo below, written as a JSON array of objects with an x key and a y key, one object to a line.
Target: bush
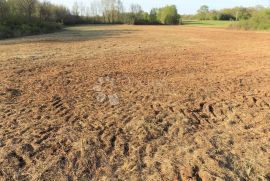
[
  {"x": 49, "y": 27},
  {"x": 16, "y": 30},
  {"x": 5, "y": 32},
  {"x": 168, "y": 15},
  {"x": 225, "y": 17},
  {"x": 26, "y": 29},
  {"x": 260, "y": 20}
]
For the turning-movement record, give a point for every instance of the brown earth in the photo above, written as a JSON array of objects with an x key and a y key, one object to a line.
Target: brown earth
[{"x": 136, "y": 103}]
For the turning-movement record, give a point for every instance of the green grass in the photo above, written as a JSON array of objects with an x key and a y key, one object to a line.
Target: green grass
[{"x": 207, "y": 23}]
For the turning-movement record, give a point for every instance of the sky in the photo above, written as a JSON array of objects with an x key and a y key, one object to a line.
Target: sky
[{"x": 184, "y": 7}]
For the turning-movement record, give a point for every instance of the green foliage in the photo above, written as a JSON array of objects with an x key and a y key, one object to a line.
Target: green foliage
[
  {"x": 203, "y": 12},
  {"x": 237, "y": 13},
  {"x": 260, "y": 20},
  {"x": 29, "y": 17},
  {"x": 225, "y": 17},
  {"x": 17, "y": 30},
  {"x": 168, "y": 15},
  {"x": 153, "y": 16},
  {"x": 256, "y": 18},
  {"x": 5, "y": 32},
  {"x": 243, "y": 13}
]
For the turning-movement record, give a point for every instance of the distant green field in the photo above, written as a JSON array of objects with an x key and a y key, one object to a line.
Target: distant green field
[{"x": 207, "y": 23}]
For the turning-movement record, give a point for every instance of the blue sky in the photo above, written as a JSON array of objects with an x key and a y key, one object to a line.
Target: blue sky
[{"x": 184, "y": 7}]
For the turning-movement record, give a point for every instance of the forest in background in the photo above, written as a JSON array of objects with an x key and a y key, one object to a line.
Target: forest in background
[
  {"x": 28, "y": 17},
  {"x": 254, "y": 18}
]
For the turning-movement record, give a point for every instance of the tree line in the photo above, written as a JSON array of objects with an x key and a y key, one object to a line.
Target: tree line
[
  {"x": 26, "y": 17},
  {"x": 235, "y": 14},
  {"x": 256, "y": 18}
]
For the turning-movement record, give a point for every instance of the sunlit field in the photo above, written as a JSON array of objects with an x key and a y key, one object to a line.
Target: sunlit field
[{"x": 124, "y": 102}]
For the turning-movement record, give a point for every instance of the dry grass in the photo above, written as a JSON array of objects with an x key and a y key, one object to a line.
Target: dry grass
[{"x": 192, "y": 104}]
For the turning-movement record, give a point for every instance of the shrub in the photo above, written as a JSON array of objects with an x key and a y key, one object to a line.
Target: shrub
[
  {"x": 168, "y": 15},
  {"x": 5, "y": 32},
  {"x": 260, "y": 20},
  {"x": 16, "y": 30}
]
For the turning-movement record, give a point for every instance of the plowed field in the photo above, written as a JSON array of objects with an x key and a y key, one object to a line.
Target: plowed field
[{"x": 136, "y": 103}]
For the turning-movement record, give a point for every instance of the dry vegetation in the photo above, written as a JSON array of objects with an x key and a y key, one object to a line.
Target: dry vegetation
[{"x": 194, "y": 104}]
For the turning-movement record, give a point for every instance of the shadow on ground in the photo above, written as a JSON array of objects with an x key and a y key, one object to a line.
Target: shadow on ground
[{"x": 79, "y": 33}]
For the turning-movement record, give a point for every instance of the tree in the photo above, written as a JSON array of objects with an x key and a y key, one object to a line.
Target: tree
[
  {"x": 28, "y": 7},
  {"x": 136, "y": 9},
  {"x": 135, "y": 13},
  {"x": 45, "y": 11},
  {"x": 119, "y": 10},
  {"x": 242, "y": 13},
  {"x": 213, "y": 15},
  {"x": 14, "y": 8},
  {"x": 61, "y": 13},
  {"x": 95, "y": 8},
  {"x": 75, "y": 9},
  {"x": 153, "y": 16},
  {"x": 168, "y": 15},
  {"x": 108, "y": 8},
  {"x": 203, "y": 12},
  {"x": 82, "y": 9},
  {"x": 112, "y": 10},
  {"x": 3, "y": 9}
]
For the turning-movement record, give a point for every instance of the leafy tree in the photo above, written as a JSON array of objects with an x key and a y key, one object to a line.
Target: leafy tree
[
  {"x": 242, "y": 13},
  {"x": 203, "y": 12},
  {"x": 260, "y": 20},
  {"x": 14, "y": 8},
  {"x": 168, "y": 15},
  {"x": 153, "y": 16}
]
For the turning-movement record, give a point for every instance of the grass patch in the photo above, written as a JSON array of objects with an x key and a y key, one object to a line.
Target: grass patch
[{"x": 207, "y": 23}]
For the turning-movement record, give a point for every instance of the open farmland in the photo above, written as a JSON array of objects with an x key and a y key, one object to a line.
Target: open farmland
[{"x": 136, "y": 103}]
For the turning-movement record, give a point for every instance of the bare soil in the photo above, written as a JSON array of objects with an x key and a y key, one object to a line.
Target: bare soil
[{"x": 136, "y": 103}]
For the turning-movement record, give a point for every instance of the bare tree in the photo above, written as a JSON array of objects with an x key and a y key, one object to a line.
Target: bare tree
[
  {"x": 109, "y": 10},
  {"x": 106, "y": 8},
  {"x": 28, "y": 7},
  {"x": 136, "y": 11},
  {"x": 95, "y": 8},
  {"x": 45, "y": 10},
  {"x": 75, "y": 9},
  {"x": 3, "y": 9},
  {"x": 112, "y": 9},
  {"x": 82, "y": 9},
  {"x": 119, "y": 10}
]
